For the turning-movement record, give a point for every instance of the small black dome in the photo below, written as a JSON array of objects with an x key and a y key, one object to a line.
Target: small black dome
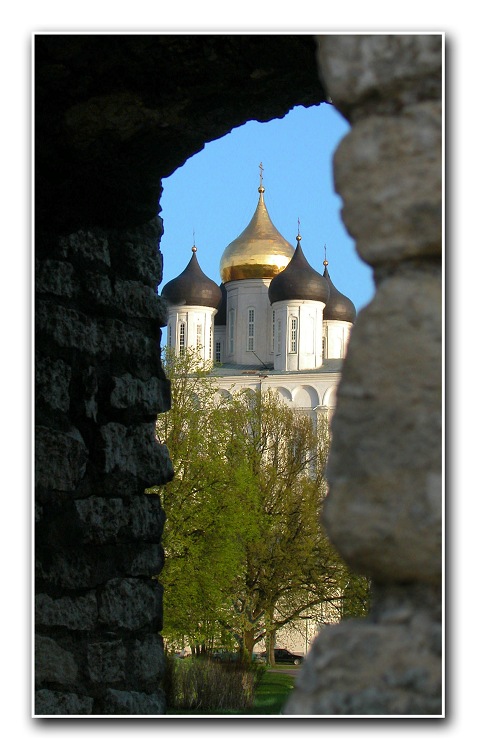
[
  {"x": 338, "y": 306},
  {"x": 298, "y": 281},
  {"x": 192, "y": 287},
  {"x": 220, "y": 318}
]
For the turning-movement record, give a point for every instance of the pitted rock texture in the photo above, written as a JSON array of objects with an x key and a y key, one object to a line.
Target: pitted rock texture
[
  {"x": 384, "y": 507},
  {"x": 384, "y": 510},
  {"x": 114, "y": 114},
  {"x": 387, "y": 665}
]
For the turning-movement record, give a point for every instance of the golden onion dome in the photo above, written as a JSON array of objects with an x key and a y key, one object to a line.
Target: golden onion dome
[{"x": 260, "y": 252}]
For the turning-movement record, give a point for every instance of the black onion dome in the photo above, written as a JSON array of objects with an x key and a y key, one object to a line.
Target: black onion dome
[
  {"x": 298, "y": 281},
  {"x": 338, "y": 306},
  {"x": 220, "y": 318},
  {"x": 192, "y": 287}
]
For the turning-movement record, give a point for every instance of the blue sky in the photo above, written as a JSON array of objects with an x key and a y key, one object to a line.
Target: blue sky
[{"x": 212, "y": 197}]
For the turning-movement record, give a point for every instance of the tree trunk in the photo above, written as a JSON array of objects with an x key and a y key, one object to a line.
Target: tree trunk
[
  {"x": 270, "y": 638},
  {"x": 248, "y": 644}
]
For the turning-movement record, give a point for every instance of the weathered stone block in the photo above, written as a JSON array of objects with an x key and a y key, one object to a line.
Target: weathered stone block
[
  {"x": 130, "y": 603},
  {"x": 106, "y": 661},
  {"x": 148, "y": 658},
  {"x": 60, "y": 458},
  {"x": 100, "y": 518},
  {"x": 365, "y": 668},
  {"x": 53, "y": 663},
  {"x": 128, "y": 346},
  {"x": 145, "y": 560},
  {"x": 147, "y": 517},
  {"x": 138, "y": 300},
  {"x": 384, "y": 507},
  {"x": 53, "y": 378},
  {"x": 89, "y": 566},
  {"x": 388, "y": 170},
  {"x": 123, "y": 298},
  {"x": 103, "y": 338},
  {"x": 68, "y": 328},
  {"x": 52, "y": 702},
  {"x": 134, "y": 703},
  {"x": 138, "y": 254},
  {"x": 136, "y": 451},
  {"x": 74, "y": 613},
  {"x": 105, "y": 520},
  {"x": 149, "y": 396},
  {"x": 70, "y": 569},
  {"x": 381, "y": 68},
  {"x": 55, "y": 277},
  {"x": 96, "y": 290},
  {"x": 87, "y": 247}
]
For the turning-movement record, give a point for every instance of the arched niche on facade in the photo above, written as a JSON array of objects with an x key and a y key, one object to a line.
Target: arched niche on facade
[
  {"x": 223, "y": 395},
  {"x": 284, "y": 394},
  {"x": 329, "y": 397},
  {"x": 305, "y": 397}
]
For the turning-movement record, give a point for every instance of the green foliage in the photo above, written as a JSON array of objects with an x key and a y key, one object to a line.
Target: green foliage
[
  {"x": 277, "y": 472},
  {"x": 204, "y": 686},
  {"x": 198, "y": 686},
  {"x": 201, "y": 550},
  {"x": 356, "y": 595},
  {"x": 245, "y": 550}
]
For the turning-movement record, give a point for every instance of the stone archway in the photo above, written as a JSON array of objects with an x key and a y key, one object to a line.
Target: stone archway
[{"x": 109, "y": 124}]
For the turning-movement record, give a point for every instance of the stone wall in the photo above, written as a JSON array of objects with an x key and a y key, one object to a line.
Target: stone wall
[
  {"x": 113, "y": 115},
  {"x": 383, "y": 511},
  {"x": 99, "y": 388}
]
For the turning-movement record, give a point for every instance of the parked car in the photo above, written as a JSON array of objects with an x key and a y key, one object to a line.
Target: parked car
[
  {"x": 284, "y": 656},
  {"x": 221, "y": 654}
]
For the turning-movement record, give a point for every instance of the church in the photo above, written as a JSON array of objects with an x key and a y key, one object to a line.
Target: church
[{"x": 274, "y": 321}]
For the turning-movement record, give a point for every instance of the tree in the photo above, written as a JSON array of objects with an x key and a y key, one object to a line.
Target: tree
[
  {"x": 246, "y": 554},
  {"x": 201, "y": 557},
  {"x": 356, "y": 594},
  {"x": 288, "y": 565}
]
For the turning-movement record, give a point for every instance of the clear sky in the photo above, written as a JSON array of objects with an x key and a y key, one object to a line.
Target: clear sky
[{"x": 212, "y": 197}]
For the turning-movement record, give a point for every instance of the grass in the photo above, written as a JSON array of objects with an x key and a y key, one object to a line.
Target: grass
[{"x": 271, "y": 694}]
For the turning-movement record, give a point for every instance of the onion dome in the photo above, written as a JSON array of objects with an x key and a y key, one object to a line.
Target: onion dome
[
  {"x": 220, "y": 318},
  {"x": 298, "y": 281},
  {"x": 192, "y": 287},
  {"x": 338, "y": 306},
  {"x": 260, "y": 252}
]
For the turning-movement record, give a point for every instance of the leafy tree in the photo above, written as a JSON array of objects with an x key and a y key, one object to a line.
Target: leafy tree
[
  {"x": 246, "y": 554},
  {"x": 288, "y": 565},
  {"x": 356, "y": 594},
  {"x": 201, "y": 556}
]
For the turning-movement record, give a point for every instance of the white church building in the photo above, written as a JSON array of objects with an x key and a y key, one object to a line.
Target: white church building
[{"x": 274, "y": 322}]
